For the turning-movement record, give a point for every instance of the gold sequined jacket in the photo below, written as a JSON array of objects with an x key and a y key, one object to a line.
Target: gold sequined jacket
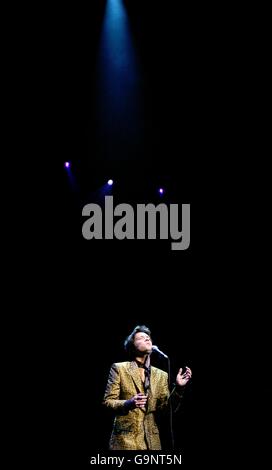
[{"x": 135, "y": 429}]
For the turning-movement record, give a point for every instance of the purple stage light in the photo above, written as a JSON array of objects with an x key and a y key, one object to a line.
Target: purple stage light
[
  {"x": 110, "y": 182},
  {"x": 67, "y": 164}
]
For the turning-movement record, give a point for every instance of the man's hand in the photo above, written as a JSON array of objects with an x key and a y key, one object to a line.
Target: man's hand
[
  {"x": 138, "y": 401},
  {"x": 183, "y": 378}
]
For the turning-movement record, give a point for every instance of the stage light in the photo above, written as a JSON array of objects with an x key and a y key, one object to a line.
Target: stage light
[
  {"x": 67, "y": 164},
  {"x": 161, "y": 191},
  {"x": 110, "y": 182},
  {"x": 118, "y": 84}
]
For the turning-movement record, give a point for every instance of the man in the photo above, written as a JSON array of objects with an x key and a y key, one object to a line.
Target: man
[{"x": 136, "y": 391}]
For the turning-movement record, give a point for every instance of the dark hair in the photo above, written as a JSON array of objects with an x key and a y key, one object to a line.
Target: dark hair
[{"x": 129, "y": 342}]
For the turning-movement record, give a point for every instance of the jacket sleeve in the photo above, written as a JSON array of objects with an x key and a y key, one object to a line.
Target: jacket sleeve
[
  {"x": 165, "y": 398},
  {"x": 176, "y": 397},
  {"x": 112, "y": 394},
  {"x": 163, "y": 395}
]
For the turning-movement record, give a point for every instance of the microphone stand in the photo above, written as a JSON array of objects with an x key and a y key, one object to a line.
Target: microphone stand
[
  {"x": 170, "y": 406},
  {"x": 155, "y": 348}
]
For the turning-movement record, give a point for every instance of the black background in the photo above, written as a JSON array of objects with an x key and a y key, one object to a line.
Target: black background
[{"x": 204, "y": 306}]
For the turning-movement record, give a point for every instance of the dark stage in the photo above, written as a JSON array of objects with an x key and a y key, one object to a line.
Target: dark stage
[{"x": 137, "y": 92}]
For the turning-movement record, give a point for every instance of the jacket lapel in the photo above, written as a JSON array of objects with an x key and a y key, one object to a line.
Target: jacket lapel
[
  {"x": 134, "y": 372},
  {"x": 150, "y": 402},
  {"x": 152, "y": 380}
]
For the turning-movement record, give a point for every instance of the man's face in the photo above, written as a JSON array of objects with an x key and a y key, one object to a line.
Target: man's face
[{"x": 142, "y": 343}]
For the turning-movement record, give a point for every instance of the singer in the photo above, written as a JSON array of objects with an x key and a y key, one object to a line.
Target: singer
[{"x": 136, "y": 392}]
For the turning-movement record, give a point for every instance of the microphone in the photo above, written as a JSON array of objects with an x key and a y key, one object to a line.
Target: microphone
[{"x": 155, "y": 348}]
